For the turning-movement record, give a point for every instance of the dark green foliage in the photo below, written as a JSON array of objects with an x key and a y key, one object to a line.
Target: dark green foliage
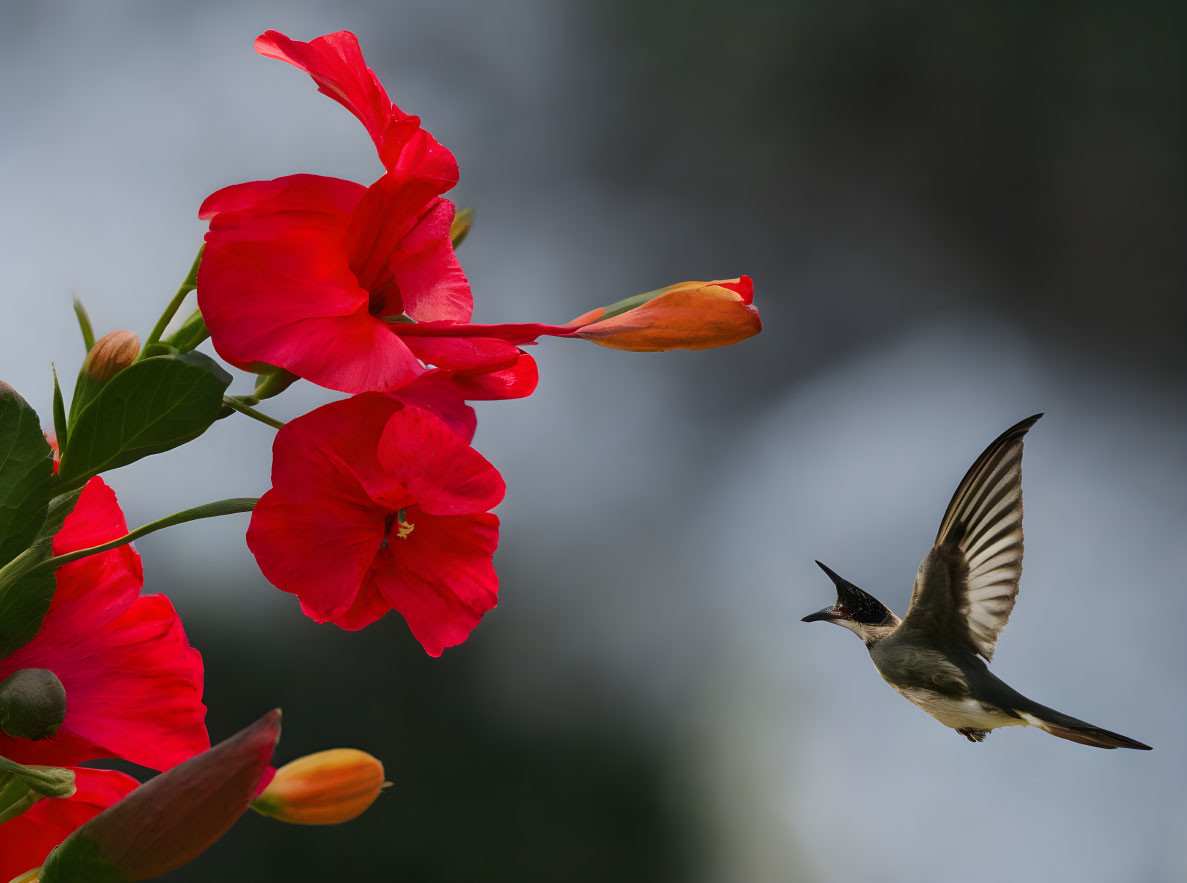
[
  {"x": 25, "y": 470},
  {"x": 151, "y": 406}
]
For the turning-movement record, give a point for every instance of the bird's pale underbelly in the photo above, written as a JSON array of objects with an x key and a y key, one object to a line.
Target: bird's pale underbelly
[{"x": 959, "y": 713}]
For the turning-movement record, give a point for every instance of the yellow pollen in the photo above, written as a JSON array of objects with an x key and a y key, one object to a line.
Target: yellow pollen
[{"x": 403, "y": 528}]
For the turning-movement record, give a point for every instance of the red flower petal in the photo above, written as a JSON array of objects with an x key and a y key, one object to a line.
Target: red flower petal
[
  {"x": 29, "y": 837},
  {"x": 329, "y": 453},
  {"x": 441, "y": 577},
  {"x": 318, "y": 552},
  {"x": 444, "y": 393},
  {"x": 401, "y": 251},
  {"x": 336, "y": 64},
  {"x": 368, "y": 607},
  {"x": 516, "y": 382},
  {"x": 443, "y": 474},
  {"x": 469, "y": 354},
  {"x": 133, "y": 683}
]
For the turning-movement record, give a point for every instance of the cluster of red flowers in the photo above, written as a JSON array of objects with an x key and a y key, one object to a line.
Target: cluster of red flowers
[
  {"x": 133, "y": 684},
  {"x": 378, "y": 501}
]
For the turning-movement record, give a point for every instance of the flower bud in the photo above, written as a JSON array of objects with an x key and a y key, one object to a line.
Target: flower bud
[
  {"x": 325, "y": 788},
  {"x": 171, "y": 818},
  {"x": 32, "y": 704},
  {"x": 111, "y": 354},
  {"x": 691, "y": 315},
  {"x": 273, "y": 382}
]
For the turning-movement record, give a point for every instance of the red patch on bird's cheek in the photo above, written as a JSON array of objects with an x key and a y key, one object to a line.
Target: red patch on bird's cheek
[{"x": 841, "y": 612}]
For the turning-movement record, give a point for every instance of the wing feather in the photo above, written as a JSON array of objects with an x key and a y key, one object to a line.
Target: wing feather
[{"x": 968, "y": 582}]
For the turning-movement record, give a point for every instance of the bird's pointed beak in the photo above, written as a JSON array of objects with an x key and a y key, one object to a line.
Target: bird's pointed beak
[
  {"x": 837, "y": 581},
  {"x": 826, "y": 613}
]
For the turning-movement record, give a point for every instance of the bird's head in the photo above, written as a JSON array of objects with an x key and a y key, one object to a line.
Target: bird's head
[{"x": 858, "y": 611}]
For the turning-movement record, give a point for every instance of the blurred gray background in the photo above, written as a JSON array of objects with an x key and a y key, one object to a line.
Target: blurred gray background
[{"x": 955, "y": 216}]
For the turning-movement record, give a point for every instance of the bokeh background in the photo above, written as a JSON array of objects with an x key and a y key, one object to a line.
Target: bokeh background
[{"x": 956, "y": 215}]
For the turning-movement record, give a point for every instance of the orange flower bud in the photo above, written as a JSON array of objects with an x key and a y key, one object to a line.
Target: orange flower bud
[
  {"x": 111, "y": 354},
  {"x": 325, "y": 788},
  {"x": 690, "y": 315}
]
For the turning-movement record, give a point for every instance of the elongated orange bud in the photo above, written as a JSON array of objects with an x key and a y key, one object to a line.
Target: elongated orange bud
[
  {"x": 325, "y": 788},
  {"x": 111, "y": 354},
  {"x": 690, "y": 315}
]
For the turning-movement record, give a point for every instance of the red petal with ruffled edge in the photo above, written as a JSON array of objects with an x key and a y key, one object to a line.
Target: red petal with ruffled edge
[
  {"x": 401, "y": 251},
  {"x": 441, "y": 577},
  {"x": 445, "y": 393},
  {"x": 335, "y": 62},
  {"x": 429, "y": 464},
  {"x": 348, "y": 480},
  {"x": 29, "y": 837},
  {"x": 133, "y": 683}
]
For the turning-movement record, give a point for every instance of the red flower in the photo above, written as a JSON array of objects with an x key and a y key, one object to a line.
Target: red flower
[
  {"x": 378, "y": 506},
  {"x": 359, "y": 289},
  {"x": 133, "y": 684},
  {"x": 302, "y": 272},
  {"x": 305, "y": 272},
  {"x": 29, "y": 837}
]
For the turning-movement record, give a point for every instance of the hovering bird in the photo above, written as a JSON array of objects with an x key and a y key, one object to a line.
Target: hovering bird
[{"x": 964, "y": 593}]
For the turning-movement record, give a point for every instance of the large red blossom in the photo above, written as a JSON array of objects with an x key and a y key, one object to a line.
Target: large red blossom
[
  {"x": 133, "y": 683},
  {"x": 28, "y": 838},
  {"x": 377, "y": 506},
  {"x": 306, "y": 273}
]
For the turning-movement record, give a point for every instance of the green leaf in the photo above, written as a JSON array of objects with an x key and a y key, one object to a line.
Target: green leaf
[
  {"x": 60, "y": 425},
  {"x": 86, "y": 388},
  {"x": 23, "y": 605},
  {"x": 26, "y": 465},
  {"x": 84, "y": 324},
  {"x": 149, "y": 407},
  {"x": 59, "y": 508}
]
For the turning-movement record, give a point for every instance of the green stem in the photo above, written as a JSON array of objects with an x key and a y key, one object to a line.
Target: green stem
[
  {"x": 242, "y": 408},
  {"x": 209, "y": 510},
  {"x": 190, "y": 283},
  {"x": 45, "y": 780},
  {"x": 191, "y": 333}
]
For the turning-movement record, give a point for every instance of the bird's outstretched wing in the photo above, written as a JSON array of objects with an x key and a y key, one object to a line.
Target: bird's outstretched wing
[{"x": 967, "y": 583}]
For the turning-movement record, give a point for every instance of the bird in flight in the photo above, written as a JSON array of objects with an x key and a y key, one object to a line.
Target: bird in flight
[{"x": 964, "y": 593}]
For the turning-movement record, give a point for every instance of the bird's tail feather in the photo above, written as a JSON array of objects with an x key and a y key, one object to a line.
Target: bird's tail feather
[{"x": 1074, "y": 730}]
